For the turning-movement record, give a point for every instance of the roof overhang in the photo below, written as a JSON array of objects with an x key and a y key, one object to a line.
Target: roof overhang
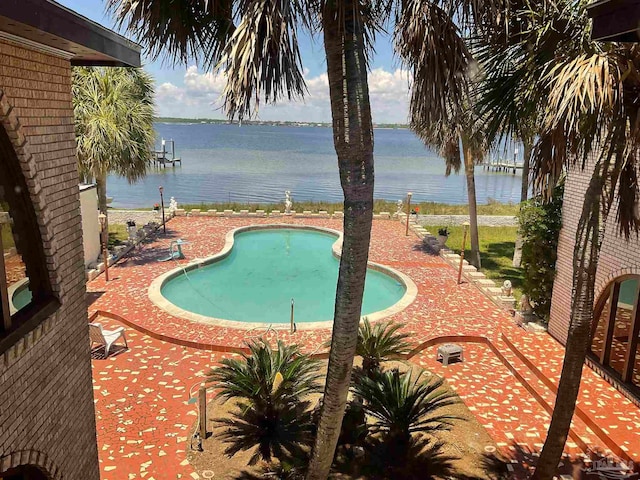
[
  {"x": 615, "y": 20},
  {"x": 47, "y": 23}
]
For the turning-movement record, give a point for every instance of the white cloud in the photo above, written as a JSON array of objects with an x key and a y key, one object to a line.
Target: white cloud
[{"x": 199, "y": 96}]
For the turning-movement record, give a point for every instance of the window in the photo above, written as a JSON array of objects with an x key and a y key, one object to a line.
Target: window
[
  {"x": 617, "y": 330},
  {"x": 26, "y": 472},
  {"x": 25, "y": 291}
]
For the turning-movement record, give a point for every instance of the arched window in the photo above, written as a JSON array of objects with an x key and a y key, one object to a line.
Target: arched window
[
  {"x": 616, "y": 333},
  {"x": 25, "y": 291},
  {"x": 26, "y": 472}
]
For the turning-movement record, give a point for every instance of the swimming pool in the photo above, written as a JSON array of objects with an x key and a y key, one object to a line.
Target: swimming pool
[
  {"x": 19, "y": 295},
  {"x": 253, "y": 280}
]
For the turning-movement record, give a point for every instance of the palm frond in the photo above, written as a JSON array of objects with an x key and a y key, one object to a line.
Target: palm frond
[
  {"x": 113, "y": 110},
  {"x": 401, "y": 404},
  {"x": 381, "y": 342},
  {"x": 429, "y": 43},
  {"x": 262, "y": 59},
  {"x": 180, "y": 29},
  {"x": 270, "y": 387}
]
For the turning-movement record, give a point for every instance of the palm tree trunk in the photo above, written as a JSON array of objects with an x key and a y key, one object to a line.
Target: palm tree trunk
[
  {"x": 101, "y": 188},
  {"x": 353, "y": 141},
  {"x": 524, "y": 196},
  {"x": 527, "y": 147},
  {"x": 585, "y": 264},
  {"x": 469, "y": 166}
]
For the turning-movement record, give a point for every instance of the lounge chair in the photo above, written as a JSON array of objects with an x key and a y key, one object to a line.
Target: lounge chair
[{"x": 106, "y": 337}]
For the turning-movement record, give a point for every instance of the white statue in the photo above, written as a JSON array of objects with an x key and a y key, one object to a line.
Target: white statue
[
  {"x": 399, "y": 208},
  {"x": 507, "y": 288},
  {"x": 525, "y": 305},
  {"x": 288, "y": 203},
  {"x": 173, "y": 205}
]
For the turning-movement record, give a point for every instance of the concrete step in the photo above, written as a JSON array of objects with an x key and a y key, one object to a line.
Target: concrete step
[
  {"x": 476, "y": 276},
  {"x": 493, "y": 291}
]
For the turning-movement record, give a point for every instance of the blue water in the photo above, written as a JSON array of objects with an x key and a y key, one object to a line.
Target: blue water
[
  {"x": 22, "y": 297},
  {"x": 628, "y": 290},
  {"x": 257, "y": 163},
  {"x": 265, "y": 270}
]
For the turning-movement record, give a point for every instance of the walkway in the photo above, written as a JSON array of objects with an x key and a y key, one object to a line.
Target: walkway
[
  {"x": 483, "y": 220},
  {"x": 510, "y": 399}
]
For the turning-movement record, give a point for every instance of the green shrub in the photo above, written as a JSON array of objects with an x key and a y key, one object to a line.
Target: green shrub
[
  {"x": 271, "y": 389},
  {"x": 539, "y": 224},
  {"x": 380, "y": 343}
]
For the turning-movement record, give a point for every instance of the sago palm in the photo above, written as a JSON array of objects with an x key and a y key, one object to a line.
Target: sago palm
[
  {"x": 586, "y": 94},
  {"x": 379, "y": 343},
  {"x": 254, "y": 43},
  {"x": 113, "y": 110},
  {"x": 270, "y": 388},
  {"x": 403, "y": 409}
]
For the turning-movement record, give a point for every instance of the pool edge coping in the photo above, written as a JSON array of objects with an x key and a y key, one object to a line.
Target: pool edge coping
[{"x": 156, "y": 297}]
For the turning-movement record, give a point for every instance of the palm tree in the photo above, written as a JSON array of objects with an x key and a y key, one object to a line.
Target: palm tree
[
  {"x": 113, "y": 109},
  {"x": 461, "y": 130},
  {"x": 498, "y": 60},
  {"x": 271, "y": 389},
  {"x": 254, "y": 43},
  {"x": 404, "y": 408},
  {"x": 586, "y": 93},
  {"x": 380, "y": 343}
]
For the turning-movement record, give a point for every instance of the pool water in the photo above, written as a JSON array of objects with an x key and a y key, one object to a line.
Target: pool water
[
  {"x": 22, "y": 297},
  {"x": 265, "y": 270}
]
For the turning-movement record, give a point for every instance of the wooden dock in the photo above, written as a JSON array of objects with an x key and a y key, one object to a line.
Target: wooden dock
[
  {"x": 502, "y": 165},
  {"x": 161, "y": 157}
]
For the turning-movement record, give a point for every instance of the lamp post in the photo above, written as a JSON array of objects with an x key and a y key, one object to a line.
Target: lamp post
[
  {"x": 105, "y": 253},
  {"x": 515, "y": 157},
  {"x": 464, "y": 245},
  {"x": 409, "y": 195},
  {"x": 164, "y": 226}
]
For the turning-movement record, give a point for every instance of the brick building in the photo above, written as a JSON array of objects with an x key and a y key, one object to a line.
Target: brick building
[
  {"x": 47, "y": 422},
  {"x": 614, "y": 350}
]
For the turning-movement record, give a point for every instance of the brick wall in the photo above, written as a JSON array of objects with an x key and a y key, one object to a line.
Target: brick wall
[
  {"x": 617, "y": 256},
  {"x": 46, "y": 398}
]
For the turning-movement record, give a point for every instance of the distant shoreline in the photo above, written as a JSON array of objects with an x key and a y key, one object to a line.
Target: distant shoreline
[{"x": 217, "y": 121}]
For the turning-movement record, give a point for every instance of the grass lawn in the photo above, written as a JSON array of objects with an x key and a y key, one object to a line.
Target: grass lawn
[
  {"x": 117, "y": 234},
  {"x": 496, "y": 253},
  {"x": 7, "y": 236}
]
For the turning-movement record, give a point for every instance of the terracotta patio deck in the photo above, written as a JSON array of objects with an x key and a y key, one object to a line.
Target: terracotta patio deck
[{"x": 507, "y": 379}]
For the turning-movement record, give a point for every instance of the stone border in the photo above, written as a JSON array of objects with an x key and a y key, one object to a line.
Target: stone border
[
  {"x": 197, "y": 212},
  {"x": 469, "y": 272},
  {"x": 161, "y": 302}
]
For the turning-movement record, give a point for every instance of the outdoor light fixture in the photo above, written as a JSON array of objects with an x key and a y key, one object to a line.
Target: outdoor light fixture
[
  {"x": 161, "y": 188},
  {"x": 464, "y": 244},
  {"x": 409, "y": 195},
  {"x": 105, "y": 253}
]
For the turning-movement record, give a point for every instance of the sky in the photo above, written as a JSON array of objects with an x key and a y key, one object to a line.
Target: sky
[{"x": 188, "y": 91}]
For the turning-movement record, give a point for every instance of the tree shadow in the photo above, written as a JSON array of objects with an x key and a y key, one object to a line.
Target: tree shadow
[
  {"x": 490, "y": 258},
  {"x": 92, "y": 297},
  {"x": 99, "y": 352},
  {"x": 143, "y": 253}
]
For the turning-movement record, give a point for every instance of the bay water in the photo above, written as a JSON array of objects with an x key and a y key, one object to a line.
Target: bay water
[{"x": 257, "y": 163}]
